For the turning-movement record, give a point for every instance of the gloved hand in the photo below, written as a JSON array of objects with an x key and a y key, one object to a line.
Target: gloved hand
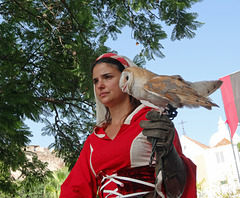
[
  {"x": 169, "y": 166},
  {"x": 160, "y": 127}
]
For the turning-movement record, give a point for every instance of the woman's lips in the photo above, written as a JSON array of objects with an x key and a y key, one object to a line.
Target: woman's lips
[{"x": 103, "y": 94}]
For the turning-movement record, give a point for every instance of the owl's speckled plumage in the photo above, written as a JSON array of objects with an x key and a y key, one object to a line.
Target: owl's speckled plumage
[{"x": 161, "y": 90}]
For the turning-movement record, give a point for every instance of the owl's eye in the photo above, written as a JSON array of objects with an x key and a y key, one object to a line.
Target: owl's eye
[{"x": 127, "y": 78}]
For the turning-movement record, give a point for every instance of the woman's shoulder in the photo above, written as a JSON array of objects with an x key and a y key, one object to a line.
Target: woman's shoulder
[{"x": 139, "y": 113}]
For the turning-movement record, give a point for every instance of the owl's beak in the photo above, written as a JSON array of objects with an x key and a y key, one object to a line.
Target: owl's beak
[{"x": 124, "y": 87}]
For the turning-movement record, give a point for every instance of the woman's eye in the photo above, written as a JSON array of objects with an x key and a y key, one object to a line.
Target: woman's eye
[
  {"x": 108, "y": 77},
  {"x": 95, "y": 81}
]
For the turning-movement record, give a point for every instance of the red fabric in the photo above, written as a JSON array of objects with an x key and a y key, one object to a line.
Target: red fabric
[
  {"x": 115, "y": 56},
  {"x": 101, "y": 154},
  {"x": 81, "y": 182},
  {"x": 229, "y": 104},
  {"x": 143, "y": 173}
]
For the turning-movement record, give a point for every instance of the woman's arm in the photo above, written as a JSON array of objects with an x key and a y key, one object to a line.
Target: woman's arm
[
  {"x": 81, "y": 181},
  {"x": 175, "y": 174}
]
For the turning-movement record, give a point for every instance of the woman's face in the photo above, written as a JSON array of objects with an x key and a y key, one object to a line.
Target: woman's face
[{"x": 106, "y": 82}]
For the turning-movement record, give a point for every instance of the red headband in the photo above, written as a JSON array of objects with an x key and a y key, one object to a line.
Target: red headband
[{"x": 115, "y": 56}]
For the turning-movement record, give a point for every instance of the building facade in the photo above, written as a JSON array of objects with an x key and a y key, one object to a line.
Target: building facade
[{"x": 218, "y": 164}]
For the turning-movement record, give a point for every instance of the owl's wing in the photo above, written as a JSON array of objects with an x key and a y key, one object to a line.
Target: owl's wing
[
  {"x": 177, "y": 91},
  {"x": 167, "y": 87},
  {"x": 172, "y": 88}
]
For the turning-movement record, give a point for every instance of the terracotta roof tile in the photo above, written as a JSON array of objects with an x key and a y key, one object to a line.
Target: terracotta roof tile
[
  {"x": 198, "y": 143},
  {"x": 223, "y": 142}
]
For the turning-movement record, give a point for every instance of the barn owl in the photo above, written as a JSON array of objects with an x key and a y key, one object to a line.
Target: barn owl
[{"x": 160, "y": 90}]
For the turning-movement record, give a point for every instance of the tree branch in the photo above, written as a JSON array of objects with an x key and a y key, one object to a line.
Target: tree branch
[
  {"x": 79, "y": 25},
  {"x": 64, "y": 101}
]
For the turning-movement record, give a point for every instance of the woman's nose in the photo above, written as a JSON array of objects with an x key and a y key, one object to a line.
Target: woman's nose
[{"x": 100, "y": 84}]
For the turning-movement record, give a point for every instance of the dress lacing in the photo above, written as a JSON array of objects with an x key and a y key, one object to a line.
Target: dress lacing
[{"x": 128, "y": 182}]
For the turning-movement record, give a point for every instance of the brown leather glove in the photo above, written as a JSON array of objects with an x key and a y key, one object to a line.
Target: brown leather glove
[{"x": 160, "y": 131}]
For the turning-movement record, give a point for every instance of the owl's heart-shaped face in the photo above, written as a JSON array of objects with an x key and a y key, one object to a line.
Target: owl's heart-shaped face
[{"x": 125, "y": 81}]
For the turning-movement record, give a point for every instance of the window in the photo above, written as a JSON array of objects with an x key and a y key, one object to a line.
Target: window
[{"x": 220, "y": 157}]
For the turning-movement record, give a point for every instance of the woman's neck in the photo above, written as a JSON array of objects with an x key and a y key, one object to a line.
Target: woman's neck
[
  {"x": 118, "y": 116},
  {"x": 119, "y": 112}
]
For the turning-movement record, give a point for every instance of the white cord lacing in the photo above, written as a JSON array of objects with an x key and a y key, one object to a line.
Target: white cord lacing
[{"x": 114, "y": 177}]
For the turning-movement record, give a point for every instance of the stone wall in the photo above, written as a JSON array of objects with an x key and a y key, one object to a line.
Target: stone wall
[{"x": 45, "y": 155}]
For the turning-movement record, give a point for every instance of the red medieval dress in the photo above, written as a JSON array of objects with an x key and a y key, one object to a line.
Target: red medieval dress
[{"x": 120, "y": 166}]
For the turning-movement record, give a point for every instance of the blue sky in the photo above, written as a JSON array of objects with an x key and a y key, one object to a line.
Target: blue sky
[{"x": 212, "y": 54}]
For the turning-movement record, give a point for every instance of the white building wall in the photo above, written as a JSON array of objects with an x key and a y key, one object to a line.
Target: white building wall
[
  {"x": 221, "y": 169},
  {"x": 190, "y": 148},
  {"x": 216, "y": 165}
]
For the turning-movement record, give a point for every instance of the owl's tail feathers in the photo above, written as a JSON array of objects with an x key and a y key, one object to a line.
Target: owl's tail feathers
[
  {"x": 200, "y": 101},
  {"x": 209, "y": 105},
  {"x": 206, "y": 88}
]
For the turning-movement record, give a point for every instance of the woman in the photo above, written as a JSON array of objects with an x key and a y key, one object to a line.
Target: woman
[{"x": 115, "y": 157}]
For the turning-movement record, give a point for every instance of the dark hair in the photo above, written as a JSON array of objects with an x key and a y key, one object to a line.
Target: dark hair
[
  {"x": 110, "y": 61},
  {"x": 133, "y": 101}
]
